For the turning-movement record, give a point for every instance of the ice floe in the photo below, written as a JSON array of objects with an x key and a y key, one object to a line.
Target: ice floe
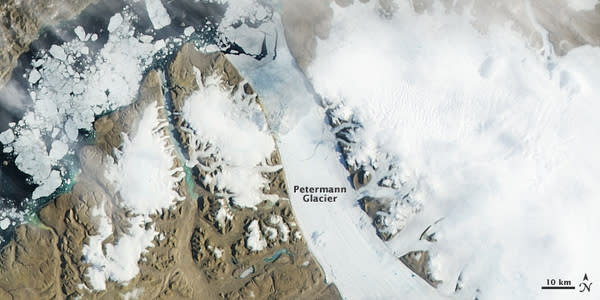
[{"x": 158, "y": 14}]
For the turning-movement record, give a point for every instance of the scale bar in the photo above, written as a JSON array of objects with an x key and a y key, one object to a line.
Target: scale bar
[{"x": 559, "y": 287}]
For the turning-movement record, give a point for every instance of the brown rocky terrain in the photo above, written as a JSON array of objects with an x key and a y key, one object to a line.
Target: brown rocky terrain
[{"x": 44, "y": 261}]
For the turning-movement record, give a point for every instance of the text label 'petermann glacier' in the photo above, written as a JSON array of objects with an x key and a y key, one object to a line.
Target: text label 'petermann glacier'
[{"x": 318, "y": 194}]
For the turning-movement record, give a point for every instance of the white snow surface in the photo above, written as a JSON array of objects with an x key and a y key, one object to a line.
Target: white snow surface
[
  {"x": 218, "y": 252},
  {"x": 159, "y": 17},
  {"x": 240, "y": 133},
  {"x": 247, "y": 272},
  {"x": 117, "y": 262},
  {"x": 92, "y": 252},
  {"x": 133, "y": 294},
  {"x": 223, "y": 213},
  {"x": 254, "y": 239},
  {"x": 270, "y": 232},
  {"x": 145, "y": 175}
]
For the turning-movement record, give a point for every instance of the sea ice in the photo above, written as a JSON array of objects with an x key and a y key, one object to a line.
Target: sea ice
[
  {"x": 58, "y": 52},
  {"x": 34, "y": 76},
  {"x": 80, "y": 32},
  {"x": 158, "y": 14},
  {"x": 58, "y": 150},
  {"x": 49, "y": 185},
  {"x": 114, "y": 22},
  {"x": 188, "y": 30}
]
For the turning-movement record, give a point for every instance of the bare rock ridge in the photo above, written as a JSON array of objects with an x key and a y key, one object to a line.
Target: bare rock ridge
[{"x": 193, "y": 256}]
